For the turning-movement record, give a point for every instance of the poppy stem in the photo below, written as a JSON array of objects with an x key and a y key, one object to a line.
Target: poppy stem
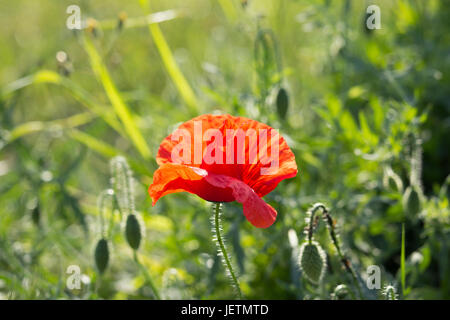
[
  {"x": 344, "y": 260},
  {"x": 312, "y": 222},
  {"x": 312, "y": 226},
  {"x": 222, "y": 249},
  {"x": 146, "y": 275}
]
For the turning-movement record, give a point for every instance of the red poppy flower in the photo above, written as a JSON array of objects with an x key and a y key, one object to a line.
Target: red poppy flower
[{"x": 225, "y": 164}]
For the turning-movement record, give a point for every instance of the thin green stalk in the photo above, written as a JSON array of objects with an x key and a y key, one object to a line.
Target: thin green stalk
[
  {"x": 147, "y": 276},
  {"x": 345, "y": 261},
  {"x": 142, "y": 21},
  {"x": 101, "y": 207},
  {"x": 229, "y": 9},
  {"x": 402, "y": 261},
  {"x": 170, "y": 64},
  {"x": 312, "y": 226},
  {"x": 397, "y": 88},
  {"x": 223, "y": 249},
  {"x": 334, "y": 239},
  {"x": 121, "y": 109}
]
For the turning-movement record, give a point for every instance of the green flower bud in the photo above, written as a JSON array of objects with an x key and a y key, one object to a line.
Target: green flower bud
[
  {"x": 101, "y": 255},
  {"x": 411, "y": 200},
  {"x": 390, "y": 293},
  {"x": 312, "y": 261},
  {"x": 392, "y": 181},
  {"x": 133, "y": 231},
  {"x": 36, "y": 215},
  {"x": 282, "y": 103},
  {"x": 340, "y": 292}
]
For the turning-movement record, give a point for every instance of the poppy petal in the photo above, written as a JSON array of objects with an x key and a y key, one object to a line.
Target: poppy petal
[
  {"x": 287, "y": 168},
  {"x": 256, "y": 210},
  {"x": 171, "y": 178},
  {"x": 251, "y": 174}
]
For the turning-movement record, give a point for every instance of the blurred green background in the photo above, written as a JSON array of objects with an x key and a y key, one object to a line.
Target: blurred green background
[{"x": 368, "y": 116}]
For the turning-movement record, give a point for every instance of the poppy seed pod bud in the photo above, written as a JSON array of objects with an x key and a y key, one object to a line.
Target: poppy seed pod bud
[
  {"x": 312, "y": 261},
  {"x": 282, "y": 103},
  {"x": 101, "y": 255},
  {"x": 412, "y": 200},
  {"x": 36, "y": 215},
  {"x": 392, "y": 181},
  {"x": 133, "y": 232},
  {"x": 340, "y": 292},
  {"x": 390, "y": 293}
]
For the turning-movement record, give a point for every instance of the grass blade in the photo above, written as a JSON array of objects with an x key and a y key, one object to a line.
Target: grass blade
[
  {"x": 229, "y": 9},
  {"x": 108, "y": 151},
  {"x": 143, "y": 21},
  {"x": 170, "y": 64},
  {"x": 37, "y": 126},
  {"x": 93, "y": 143},
  {"x": 116, "y": 100},
  {"x": 47, "y": 76}
]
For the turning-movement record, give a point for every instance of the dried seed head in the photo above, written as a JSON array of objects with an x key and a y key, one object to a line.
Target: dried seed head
[
  {"x": 65, "y": 66},
  {"x": 92, "y": 26},
  {"x": 312, "y": 261},
  {"x": 62, "y": 57},
  {"x": 122, "y": 18}
]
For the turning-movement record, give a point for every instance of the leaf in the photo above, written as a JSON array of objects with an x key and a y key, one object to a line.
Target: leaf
[
  {"x": 366, "y": 133},
  {"x": 334, "y": 105},
  {"x": 378, "y": 113},
  {"x": 348, "y": 125}
]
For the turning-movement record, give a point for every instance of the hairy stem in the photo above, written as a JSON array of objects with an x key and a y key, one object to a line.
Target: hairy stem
[
  {"x": 345, "y": 261},
  {"x": 312, "y": 222},
  {"x": 223, "y": 249}
]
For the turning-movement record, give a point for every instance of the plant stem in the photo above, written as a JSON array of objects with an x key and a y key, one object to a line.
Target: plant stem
[
  {"x": 147, "y": 276},
  {"x": 223, "y": 249},
  {"x": 345, "y": 261},
  {"x": 313, "y": 224},
  {"x": 402, "y": 261}
]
